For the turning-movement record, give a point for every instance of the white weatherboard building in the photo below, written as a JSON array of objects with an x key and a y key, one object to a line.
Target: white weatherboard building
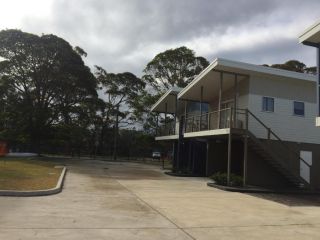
[
  {"x": 246, "y": 119},
  {"x": 311, "y": 37}
]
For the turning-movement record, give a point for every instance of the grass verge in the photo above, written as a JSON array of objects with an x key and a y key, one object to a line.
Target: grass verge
[{"x": 27, "y": 174}]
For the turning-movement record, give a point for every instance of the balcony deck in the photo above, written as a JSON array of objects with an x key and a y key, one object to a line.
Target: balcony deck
[
  {"x": 208, "y": 124},
  {"x": 167, "y": 137},
  {"x": 205, "y": 133}
]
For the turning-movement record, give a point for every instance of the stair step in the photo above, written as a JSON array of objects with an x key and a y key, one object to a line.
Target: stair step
[{"x": 262, "y": 150}]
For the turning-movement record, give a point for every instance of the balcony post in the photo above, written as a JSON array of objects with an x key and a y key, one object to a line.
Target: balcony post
[
  {"x": 201, "y": 99},
  {"x": 157, "y": 125},
  {"x": 245, "y": 150},
  {"x": 165, "y": 117},
  {"x": 234, "y": 120},
  {"x": 175, "y": 116},
  {"x": 185, "y": 115},
  {"x": 180, "y": 141},
  {"x": 192, "y": 124},
  {"x": 220, "y": 97},
  {"x": 269, "y": 133}
]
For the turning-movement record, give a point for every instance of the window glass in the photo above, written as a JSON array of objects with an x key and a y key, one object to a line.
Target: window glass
[
  {"x": 268, "y": 104},
  {"x": 298, "y": 108},
  {"x": 193, "y": 108}
]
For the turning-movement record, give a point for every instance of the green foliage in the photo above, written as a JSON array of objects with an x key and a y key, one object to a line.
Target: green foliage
[
  {"x": 133, "y": 143},
  {"x": 311, "y": 70},
  {"x": 122, "y": 103},
  {"x": 222, "y": 179},
  {"x": 80, "y": 51},
  {"x": 173, "y": 67},
  {"x": 294, "y": 65},
  {"x": 43, "y": 82},
  {"x": 149, "y": 118},
  {"x": 120, "y": 89}
]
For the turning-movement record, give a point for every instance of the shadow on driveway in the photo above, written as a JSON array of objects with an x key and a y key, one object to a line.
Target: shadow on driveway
[{"x": 291, "y": 200}]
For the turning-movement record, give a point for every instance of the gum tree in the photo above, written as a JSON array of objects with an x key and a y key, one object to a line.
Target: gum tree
[{"x": 46, "y": 79}]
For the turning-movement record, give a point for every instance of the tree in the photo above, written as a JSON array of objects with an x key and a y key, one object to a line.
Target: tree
[
  {"x": 311, "y": 70},
  {"x": 122, "y": 94},
  {"x": 173, "y": 67},
  {"x": 148, "y": 118},
  {"x": 45, "y": 80},
  {"x": 294, "y": 65}
]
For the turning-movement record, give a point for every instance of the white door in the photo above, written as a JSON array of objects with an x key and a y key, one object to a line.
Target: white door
[{"x": 305, "y": 168}]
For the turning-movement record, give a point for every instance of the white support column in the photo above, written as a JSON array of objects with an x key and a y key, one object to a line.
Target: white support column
[
  {"x": 318, "y": 87},
  {"x": 220, "y": 99},
  {"x": 229, "y": 157},
  {"x": 318, "y": 82},
  {"x": 245, "y": 148}
]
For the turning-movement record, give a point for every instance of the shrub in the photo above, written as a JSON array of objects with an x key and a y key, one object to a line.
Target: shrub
[{"x": 222, "y": 179}]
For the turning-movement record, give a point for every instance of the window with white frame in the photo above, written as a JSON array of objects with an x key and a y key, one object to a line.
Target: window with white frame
[
  {"x": 267, "y": 104},
  {"x": 298, "y": 108}
]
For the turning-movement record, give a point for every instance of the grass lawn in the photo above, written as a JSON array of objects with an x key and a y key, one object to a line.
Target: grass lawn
[{"x": 27, "y": 174}]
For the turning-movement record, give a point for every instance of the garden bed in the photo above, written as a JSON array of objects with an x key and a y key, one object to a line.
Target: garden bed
[{"x": 27, "y": 174}]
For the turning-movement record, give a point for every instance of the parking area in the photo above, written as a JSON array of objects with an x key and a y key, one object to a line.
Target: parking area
[{"x": 105, "y": 200}]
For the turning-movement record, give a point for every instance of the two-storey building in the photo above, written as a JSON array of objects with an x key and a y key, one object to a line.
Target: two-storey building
[{"x": 246, "y": 119}]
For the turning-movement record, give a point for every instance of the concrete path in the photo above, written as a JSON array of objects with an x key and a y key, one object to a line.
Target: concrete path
[{"x": 104, "y": 200}]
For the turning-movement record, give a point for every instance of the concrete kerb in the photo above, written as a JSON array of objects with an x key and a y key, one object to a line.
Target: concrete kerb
[
  {"x": 240, "y": 189},
  {"x": 45, "y": 192},
  {"x": 182, "y": 174},
  {"x": 263, "y": 190}
]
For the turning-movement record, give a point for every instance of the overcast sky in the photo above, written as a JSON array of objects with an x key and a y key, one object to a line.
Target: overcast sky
[{"x": 124, "y": 35}]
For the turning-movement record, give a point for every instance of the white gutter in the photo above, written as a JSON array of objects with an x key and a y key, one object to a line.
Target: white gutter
[{"x": 309, "y": 32}]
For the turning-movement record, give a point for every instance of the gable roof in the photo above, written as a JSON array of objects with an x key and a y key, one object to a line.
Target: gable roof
[{"x": 246, "y": 69}]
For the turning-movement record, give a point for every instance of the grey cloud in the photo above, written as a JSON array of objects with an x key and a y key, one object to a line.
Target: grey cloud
[
  {"x": 273, "y": 53},
  {"x": 123, "y": 35}
]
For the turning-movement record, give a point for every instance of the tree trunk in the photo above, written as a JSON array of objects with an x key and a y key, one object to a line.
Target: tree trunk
[{"x": 115, "y": 137}]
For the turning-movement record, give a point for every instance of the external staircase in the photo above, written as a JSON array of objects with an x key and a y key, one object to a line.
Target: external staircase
[{"x": 281, "y": 159}]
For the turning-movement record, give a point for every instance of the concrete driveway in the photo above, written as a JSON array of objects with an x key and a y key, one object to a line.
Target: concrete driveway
[{"x": 103, "y": 200}]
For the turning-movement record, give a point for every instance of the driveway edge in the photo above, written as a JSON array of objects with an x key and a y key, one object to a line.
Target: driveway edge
[
  {"x": 45, "y": 192},
  {"x": 263, "y": 190}
]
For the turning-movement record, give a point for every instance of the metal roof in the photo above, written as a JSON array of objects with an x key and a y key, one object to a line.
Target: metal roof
[
  {"x": 242, "y": 68},
  {"x": 311, "y": 35}
]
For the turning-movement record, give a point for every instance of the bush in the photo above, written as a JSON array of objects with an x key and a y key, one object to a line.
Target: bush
[{"x": 222, "y": 179}]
